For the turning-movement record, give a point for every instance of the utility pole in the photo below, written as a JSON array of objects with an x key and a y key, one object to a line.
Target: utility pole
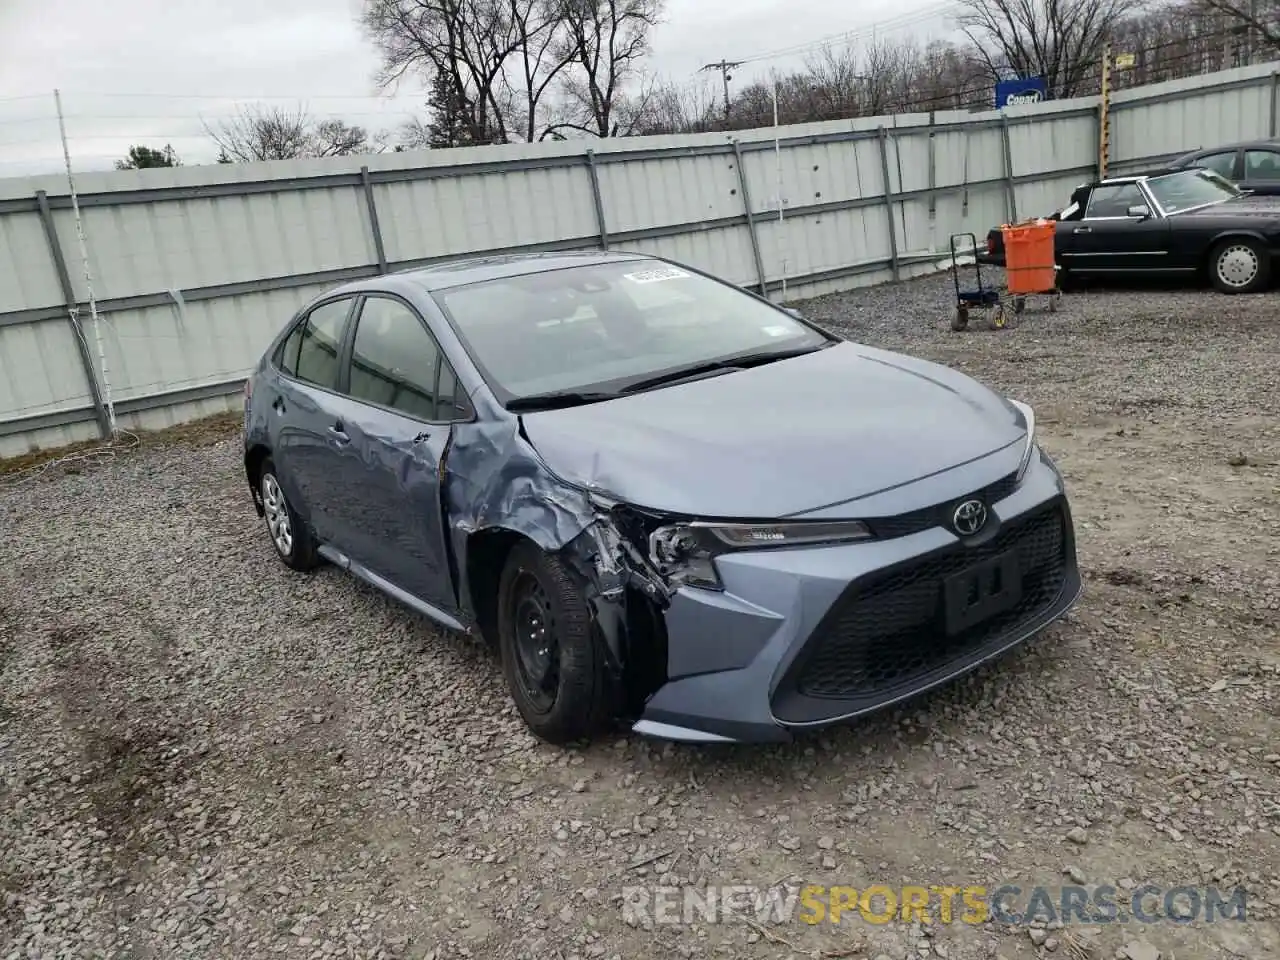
[{"x": 724, "y": 66}]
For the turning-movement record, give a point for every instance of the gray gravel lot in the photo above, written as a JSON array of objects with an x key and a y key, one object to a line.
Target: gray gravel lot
[{"x": 204, "y": 754}]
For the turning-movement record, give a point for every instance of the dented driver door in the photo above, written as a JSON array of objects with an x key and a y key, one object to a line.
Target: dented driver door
[{"x": 399, "y": 430}]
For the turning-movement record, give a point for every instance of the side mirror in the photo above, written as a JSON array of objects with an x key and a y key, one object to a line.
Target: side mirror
[
  {"x": 1139, "y": 210},
  {"x": 794, "y": 312}
]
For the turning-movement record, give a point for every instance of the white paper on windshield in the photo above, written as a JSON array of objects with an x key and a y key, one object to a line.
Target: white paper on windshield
[
  {"x": 1069, "y": 211},
  {"x": 776, "y": 331},
  {"x": 655, "y": 275}
]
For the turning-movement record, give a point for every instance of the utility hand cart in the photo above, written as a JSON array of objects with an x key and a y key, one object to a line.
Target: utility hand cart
[{"x": 1030, "y": 270}]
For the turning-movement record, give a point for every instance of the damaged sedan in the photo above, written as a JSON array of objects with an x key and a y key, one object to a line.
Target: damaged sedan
[{"x": 662, "y": 498}]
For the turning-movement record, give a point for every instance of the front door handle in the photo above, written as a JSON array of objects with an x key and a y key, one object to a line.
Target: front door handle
[
  {"x": 423, "y": 436},
  {"x": 1083, "y": 230},
  {"x": 338, "y": 433},
  {"x": 278, "y": 404}
]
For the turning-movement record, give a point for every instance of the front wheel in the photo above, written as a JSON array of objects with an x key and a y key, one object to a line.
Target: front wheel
[
  {"x": 553, "y": 663},
  {"x": 1239, "y": 265}
]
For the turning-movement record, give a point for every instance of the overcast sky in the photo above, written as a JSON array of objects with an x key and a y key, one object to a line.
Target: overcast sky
[{"x": 148, "y": 71}]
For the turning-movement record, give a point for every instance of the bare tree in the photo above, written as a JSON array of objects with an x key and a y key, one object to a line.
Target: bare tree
[
  {"x": 470, "y": 41},
  {"x": 605, "y": 40},
  {"x": 279, "y": 133},
  {"x": 838, "y": 81},
  {"x": 1254, "y": 17},
  {"x": 542, "y": 56},
  {"x": 685, "y": 108},
  {"x": 1060, "y": 40}
]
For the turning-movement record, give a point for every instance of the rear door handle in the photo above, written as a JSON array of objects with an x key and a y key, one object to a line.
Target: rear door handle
[
  {"x": 278, "y": 404},
  {"x": 1083, "y": 230},
  {"x": 338, "y": 433}
]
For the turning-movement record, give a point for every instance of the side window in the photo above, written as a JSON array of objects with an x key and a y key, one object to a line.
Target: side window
[
  {"x": 395, "y": 363},
  {"x": 452, "y": 405},
  {"x": 320, "y": 341},
  {"x": 1261, "y": 165},
  {"x": 1114, "y": 200},
  {"x": 1223, "y": 164},
  {"x": 286, "y": 357}
]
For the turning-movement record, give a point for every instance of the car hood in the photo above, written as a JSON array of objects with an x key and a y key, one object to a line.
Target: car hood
[
  {"x": 777, "y": 440},
  {"x": 1265, "y": 207}
]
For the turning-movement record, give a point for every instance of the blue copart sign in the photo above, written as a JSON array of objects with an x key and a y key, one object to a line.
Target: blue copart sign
[{"x": 1012, "y": 93}]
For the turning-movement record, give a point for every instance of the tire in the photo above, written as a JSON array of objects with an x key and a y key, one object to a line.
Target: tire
[
  {"x": 1239, "y": 265},
  {"x": 295, "y": 546},
  {"x": 561, "y": 688},
  {"x": 961, "y": 320}
]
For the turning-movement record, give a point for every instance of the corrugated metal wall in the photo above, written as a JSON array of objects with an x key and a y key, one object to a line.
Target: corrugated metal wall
[{"x": 194, "y": 269}]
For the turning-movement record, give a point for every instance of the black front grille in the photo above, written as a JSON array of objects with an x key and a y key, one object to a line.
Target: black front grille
[
  {"x": 939, "y": 515},
  {"x": 883, "y": 633}
]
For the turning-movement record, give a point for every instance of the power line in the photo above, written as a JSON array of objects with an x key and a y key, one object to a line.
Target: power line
[
  {"x": 858, "y": 33},
  {"x": 311, "y": 95}
]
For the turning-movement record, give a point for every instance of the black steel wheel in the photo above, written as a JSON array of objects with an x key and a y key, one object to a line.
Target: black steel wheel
[
  {"x": 552, "y": 659},
  {"x": 537, "y": 646}
]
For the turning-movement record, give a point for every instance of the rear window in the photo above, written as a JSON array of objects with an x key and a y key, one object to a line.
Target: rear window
[{"x": 286, "y": 357}]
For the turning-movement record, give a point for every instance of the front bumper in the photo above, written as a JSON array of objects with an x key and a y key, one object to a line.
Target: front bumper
[{"x": 808, "y": 638}]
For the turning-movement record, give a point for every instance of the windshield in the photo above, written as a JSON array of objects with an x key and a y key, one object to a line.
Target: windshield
[
  {"x": 598, "y": 328},
  {"x": 1190, "y": 188}
]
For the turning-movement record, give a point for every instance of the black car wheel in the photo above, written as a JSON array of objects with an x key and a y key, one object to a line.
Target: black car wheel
[
  {"x": 289, "y": 534},
  {"x": 551, "y": 658},
  {"x": 1239, "y": 265}
]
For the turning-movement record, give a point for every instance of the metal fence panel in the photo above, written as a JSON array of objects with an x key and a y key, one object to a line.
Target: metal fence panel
[{"x": 195, "y": 268}]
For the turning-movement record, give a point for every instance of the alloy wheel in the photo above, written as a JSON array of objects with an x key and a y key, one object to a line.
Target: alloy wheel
[
  {"x": 277, "y": 511},
  {"x": 1238, "y": 265}
]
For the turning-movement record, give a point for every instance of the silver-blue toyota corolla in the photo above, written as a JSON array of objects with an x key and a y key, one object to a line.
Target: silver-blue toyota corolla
[{"x": 662, "y": 498}]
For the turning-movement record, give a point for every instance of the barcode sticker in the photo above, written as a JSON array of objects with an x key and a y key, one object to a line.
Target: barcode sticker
[{"x": 655, "y": 275}]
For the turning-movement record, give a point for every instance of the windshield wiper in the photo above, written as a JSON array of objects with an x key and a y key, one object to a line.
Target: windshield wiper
[
  {"x": 739, "y": 362},
  {"x": 559, "y": 398}
]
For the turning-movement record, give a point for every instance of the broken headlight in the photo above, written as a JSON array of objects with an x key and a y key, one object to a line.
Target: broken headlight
[
  {"x": 686, "y": 552},
  {"x": 1029, "y": 449}
]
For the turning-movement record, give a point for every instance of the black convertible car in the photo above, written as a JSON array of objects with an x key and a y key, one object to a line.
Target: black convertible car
[{"x": 1164, "y": 222}]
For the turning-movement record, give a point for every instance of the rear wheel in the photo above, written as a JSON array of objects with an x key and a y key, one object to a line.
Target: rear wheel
[
  {"x": 289, "y": 535},
  {"x": 1239, "y": 265},
  {"x": 551, "y": 658},
  {"x": 961, "y": 320}
]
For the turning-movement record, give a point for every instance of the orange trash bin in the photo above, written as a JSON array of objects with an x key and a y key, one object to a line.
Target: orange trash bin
[{"x": 1028, "y": 257}]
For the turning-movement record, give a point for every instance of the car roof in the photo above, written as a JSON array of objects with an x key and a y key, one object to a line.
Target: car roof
[
  {"x": 464, "y": 270},
  {"x": 1272, "y": 143}
]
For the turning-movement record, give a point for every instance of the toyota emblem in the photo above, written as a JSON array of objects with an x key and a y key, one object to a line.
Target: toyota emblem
[{"x": 969, "y": 518}]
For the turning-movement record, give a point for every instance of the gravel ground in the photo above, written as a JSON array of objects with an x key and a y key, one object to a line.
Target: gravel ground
[{"x": 204, "y": 754}]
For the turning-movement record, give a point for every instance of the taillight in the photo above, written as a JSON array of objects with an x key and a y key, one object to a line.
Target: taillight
[
  {"x": 991, "y": 244},
  {"x": 248, "y": 389}
]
